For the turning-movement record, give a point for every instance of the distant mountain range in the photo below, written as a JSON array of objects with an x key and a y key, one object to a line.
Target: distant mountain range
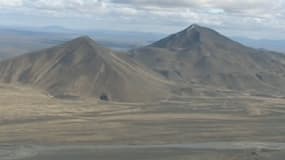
[
  {"x": 19, "y": 40},
  {"x": 15, "y": 41},
  {"x": 267, "y": 44},
  {"x": 195, "y": 61}
]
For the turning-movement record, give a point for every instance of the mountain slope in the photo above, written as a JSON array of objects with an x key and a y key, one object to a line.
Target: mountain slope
[
  {"x": 82, "y": 68},
  {"x": 199, "y": 55}
]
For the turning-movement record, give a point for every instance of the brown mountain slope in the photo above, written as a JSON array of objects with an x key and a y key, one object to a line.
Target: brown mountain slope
[
  {"x": 199, "y": 55},
  {"x": 83, "y": 68}
]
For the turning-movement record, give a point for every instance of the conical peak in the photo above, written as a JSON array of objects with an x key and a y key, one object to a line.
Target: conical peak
[
  {"x": 191, "y": 33},
  {"x": 83, "y": 39},
  {"x": 197, "y": 28},
  {"x": 193, "y": 26},
  {"x": 183, "y": 39},
  {"x": 192, "y": 36}
]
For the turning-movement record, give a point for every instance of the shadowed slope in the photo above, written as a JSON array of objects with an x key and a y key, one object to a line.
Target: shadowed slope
[{"x": 199, "y": 55}]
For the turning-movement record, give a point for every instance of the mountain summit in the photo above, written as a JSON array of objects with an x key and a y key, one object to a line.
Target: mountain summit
[
  {"x": 189, "y": 37},
  {"x": 194, "y": 36},
  {"x": 201, "y": 56},
  {"x": 83, "y": 68}
]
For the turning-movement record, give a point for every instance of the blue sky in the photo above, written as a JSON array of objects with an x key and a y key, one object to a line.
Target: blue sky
[{"x": 247, "y": 18}]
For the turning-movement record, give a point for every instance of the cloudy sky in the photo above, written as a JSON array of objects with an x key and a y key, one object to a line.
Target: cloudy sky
[{"x": 248, "y": 18}]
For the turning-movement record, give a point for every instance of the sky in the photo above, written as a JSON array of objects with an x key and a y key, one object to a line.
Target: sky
[{"x": 260, "y": 19}]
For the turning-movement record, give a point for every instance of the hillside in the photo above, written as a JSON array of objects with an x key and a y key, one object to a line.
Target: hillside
[
  {"x": 202, "y": 56},
  {"x": 83, "y": 68}
]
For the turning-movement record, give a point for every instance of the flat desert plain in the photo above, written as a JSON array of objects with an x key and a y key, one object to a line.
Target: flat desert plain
[{"x": 30, "y": 117}]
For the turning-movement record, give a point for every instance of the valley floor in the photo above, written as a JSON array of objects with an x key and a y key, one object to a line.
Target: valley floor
[
  {"x": 28, "y": 116},
  {"x": 195, "y": 151}
]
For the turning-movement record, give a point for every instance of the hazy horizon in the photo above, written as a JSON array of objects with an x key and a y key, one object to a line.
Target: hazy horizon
[{"x": 259, "y": 19}]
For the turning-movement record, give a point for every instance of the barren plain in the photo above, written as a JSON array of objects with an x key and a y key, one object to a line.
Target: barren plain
[{"x": 30, "y": 116}]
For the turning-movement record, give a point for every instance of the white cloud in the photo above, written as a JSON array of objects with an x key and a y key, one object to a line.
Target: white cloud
[
  {"x": 60, "y": 5},
  {"x": 252, "y": 16},
  {"x": 10, "y": 3}
]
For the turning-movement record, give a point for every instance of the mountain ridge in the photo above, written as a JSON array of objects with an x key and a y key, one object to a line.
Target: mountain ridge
[
  {"x": 83, "y": 68},
  {"x": 199, "y": 55}
]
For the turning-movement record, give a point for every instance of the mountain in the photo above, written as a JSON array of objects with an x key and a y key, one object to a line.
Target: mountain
[
  {"x": 83, "y": 68},
  {"x": 199, "y": 56},
  {"x": 267, "y": 44}
]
